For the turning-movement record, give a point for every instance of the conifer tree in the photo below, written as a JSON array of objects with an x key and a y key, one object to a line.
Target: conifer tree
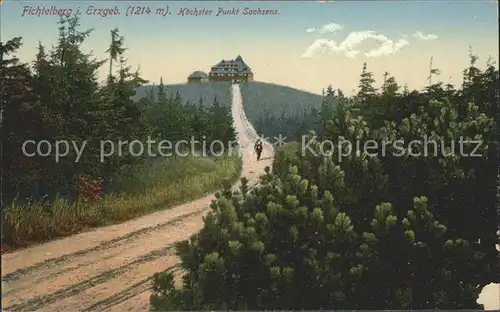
[
  {"x": 115, "y": 50},
  {"x": 432, "y": 72},
  {"x": 327, "y": 106},
  {"x": 366, "y": 88},
  {"x": 330, "y": 91},
  {"x": 472, "y": 72},
  {"x": 390, "y": 86},
  {"x": 22, "y": 119},
  {"x": 220, "y": 125},
  {"x": 162, "y": 93}
]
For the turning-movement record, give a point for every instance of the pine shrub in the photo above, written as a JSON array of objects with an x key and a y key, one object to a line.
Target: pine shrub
[{"x": 286, "y": 245}]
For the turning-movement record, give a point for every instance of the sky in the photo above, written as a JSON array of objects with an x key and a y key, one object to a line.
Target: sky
[{"x": 307, "y": 45}]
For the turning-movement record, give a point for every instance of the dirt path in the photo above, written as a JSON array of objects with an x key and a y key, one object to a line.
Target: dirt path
[{"x": 110, "y": 268}]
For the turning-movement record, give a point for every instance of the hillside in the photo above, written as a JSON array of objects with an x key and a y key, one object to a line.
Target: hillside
[
  {"x": 192, "y": 92},
  {"x": 277, "y": 110},
  {"x": 259, "y": 98},
  {"x": 266, "y": 99},
  {"x": 272, "y": 109}
]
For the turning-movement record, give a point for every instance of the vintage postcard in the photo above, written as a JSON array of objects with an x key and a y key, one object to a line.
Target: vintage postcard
[{"x": 249, "y": 155}]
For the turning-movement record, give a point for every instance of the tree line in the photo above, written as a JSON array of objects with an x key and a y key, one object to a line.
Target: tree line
[
  {"x": 369, "y": 231},
  {"x": 59, "y": 97},
  {"x": 292, "y": 126}
]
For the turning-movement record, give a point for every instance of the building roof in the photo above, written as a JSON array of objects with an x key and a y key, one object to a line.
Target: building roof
[
  {"x": 198, "y": 74},
  {"x": 238, "y": 61}
]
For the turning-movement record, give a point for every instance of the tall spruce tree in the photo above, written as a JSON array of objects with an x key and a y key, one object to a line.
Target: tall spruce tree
[
  {"x": 366, "y": 88},
  {"x": 115, "y": 50},
  {"x": 22, "y": 120}
]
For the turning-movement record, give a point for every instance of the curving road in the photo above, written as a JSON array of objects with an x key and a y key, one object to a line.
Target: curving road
[{"x": 110, "y": 268}]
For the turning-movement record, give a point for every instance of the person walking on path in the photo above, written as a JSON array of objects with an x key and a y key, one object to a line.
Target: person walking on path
[{"x": 258, "y": 148}]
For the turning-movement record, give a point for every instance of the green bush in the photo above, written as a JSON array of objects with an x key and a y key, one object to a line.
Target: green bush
[
  {"x": 284, "y": 245},
  {"x": 286, "y": 157}
]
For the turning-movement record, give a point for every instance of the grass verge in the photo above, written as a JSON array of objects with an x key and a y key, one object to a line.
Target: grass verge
[{"x": 143, "y": 190}]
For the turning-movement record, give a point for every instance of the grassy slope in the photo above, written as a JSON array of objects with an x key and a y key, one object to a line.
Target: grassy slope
[
  {"x": 167, "y": 183},
  {"x": 193, "y": 91},
  {"x": 260, "y": 99}
]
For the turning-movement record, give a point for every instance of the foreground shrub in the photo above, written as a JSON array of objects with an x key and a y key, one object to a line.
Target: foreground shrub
[
  {"x": 285, "y": 245},
  {"x": 86, "y": 189}
]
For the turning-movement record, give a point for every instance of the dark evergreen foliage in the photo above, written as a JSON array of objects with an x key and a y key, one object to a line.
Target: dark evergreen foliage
[
  {"x": 60, "y": 98},
  {"x": 367, "y": 231}
]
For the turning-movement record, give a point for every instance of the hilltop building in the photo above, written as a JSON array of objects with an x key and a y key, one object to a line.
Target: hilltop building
[
  {"x": 233, "y": 70},
  {"x": 198, "y": 76},
  {"x": 226, "y": 70}
]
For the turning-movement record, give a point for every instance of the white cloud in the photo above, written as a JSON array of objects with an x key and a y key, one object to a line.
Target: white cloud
[
  {"x": 356, "y": 37},
  {"x": 353, "y": 40},
  {"x": 317, "y": 47},
  {"x": 324, "y": 46},
  {"x": 388, "y": 48},
  {"x": 422, "y": 36},
  {"x": 330, "y": 28}
]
